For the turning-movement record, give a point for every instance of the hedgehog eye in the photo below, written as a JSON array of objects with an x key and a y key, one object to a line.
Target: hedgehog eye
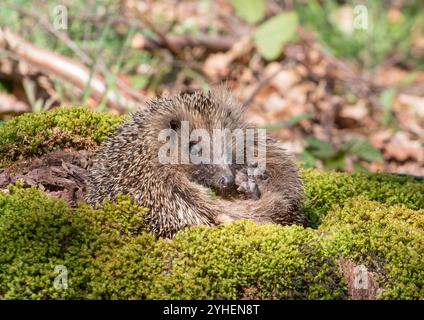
[
  {"x": 174, "y": 125},
  {"x": 191, "y": 145}
]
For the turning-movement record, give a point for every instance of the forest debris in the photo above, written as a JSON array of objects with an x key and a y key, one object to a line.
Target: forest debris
[
  {"x": 416, "y": 102},
  {"x": 380, "y": 138},
  {"x": 61, "y": 174},
  {"x": 63, "y": 67},
  {"x": 9, "y": 104},
  {"x": 212, "y": 44},
  {"x": 361, "y": 283},
  {"x": 401, "y": 148},
  {"x": 409, "y": 111},
  {"x": 217, "y": 65},
  {"x": 390, "y": 76},
  {"x": 283, "y": 80},
  {"x": 275, "y": 103},
  {"x": 356, "y": 111}
]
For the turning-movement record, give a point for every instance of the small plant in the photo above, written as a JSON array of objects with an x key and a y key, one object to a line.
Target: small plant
[
  {"x": 272, "y": 34},
  {"x": 335, "y": 158},
  {"x": 376, "y": 39}
]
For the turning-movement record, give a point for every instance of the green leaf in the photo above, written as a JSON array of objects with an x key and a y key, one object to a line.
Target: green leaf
[
  {"x": 336, "y": 162},
  {"x": 359, "y": 168},
  {"x": 139, "y": 81},
  {"x": 273, "y": 34},
  {"x": 274, "y": 126},
  {"x": 250, "y": 10},
  {"x": 309, "y": 160},
  {"x": 365, "y": 150},
  {"x": 387, "y": 98},
  {"x": 2, "y": 88},
  {"x": 296, "y": 119},
  {"x": 289, "y": 123},
  {"x": 320, "y": 149}
]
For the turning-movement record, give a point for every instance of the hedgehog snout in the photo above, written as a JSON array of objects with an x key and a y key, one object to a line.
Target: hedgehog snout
[{"x": 226, "y": 182}]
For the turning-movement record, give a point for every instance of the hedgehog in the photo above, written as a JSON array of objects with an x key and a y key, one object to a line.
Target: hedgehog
[{"x": 183, "y": 193}]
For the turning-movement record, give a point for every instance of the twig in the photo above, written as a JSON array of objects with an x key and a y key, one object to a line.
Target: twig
[
  {"x": 60, "y": 35},
  {"x": 211, "y": 43},
  {"x": 63, "y": 67},
  {"x": 170, "y": 46},
  {"x": 262, "y": 84},
  {"x": 100, "y": 65},
  {"x": 176, "y": 51}
]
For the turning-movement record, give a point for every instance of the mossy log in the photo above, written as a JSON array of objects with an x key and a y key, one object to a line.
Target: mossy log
[{"x": 362, "y": 221}]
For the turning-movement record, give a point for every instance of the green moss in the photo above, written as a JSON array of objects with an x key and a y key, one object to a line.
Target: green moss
[
  {"x": 35, "y": 134},
  {"x": 371, "y": 219},
  {"x": 38, "y": 233},
  {"x": 325, "y": 190},
  {"x": 222, "y": 263},
  {"x": 387, "y": 239},
  {"x": 109, "y": 255}
]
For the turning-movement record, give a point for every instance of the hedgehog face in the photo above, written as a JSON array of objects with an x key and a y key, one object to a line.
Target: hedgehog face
[
  {"x": 202, "y": 156},
  {"x": 218, "y": 175},
  {"x": 201, "y": 127}
]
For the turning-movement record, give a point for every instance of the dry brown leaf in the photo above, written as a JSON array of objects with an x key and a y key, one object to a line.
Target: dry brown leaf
[
  {"x": 217, "y": 65},
  {"x": 416, "y": 102},
  {"x": 283, "y": 80},
  {"x": 60, "y": 174},
  {"x": 380, "y": 138},
  {"x": 356, "y": 112},
  {"x": 275, "y": 103},
  {"x": 401, "y": 148},
  {"x": 390, "y": 76},
  {"x": 297, "y": 95},
  {"x": 9, "y": 104}
]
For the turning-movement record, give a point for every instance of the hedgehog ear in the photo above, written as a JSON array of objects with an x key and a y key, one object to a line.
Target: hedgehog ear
[{"x": 174, "y": 125}]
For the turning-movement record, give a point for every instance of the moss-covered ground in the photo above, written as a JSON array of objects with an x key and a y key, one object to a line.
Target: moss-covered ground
[
  {"x": 376, "y": 220},
  {"x": 35, "y": 134}
]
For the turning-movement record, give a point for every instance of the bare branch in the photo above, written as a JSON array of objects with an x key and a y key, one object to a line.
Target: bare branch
[{"x": 65, "y": 68}]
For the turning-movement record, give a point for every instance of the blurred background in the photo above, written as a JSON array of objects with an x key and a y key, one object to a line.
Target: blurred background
[{"x": 340, "y": 83}]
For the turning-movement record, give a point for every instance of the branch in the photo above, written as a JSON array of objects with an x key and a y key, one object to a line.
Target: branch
[
  {"x": 211, "y": 43},
  {"x": 262, "y": 84},
  {"x": 65, "y": 68},
  {"x": 85, "y": 58}
]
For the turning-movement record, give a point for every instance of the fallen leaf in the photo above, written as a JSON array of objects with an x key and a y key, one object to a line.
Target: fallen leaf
[
  {"x": 250, "y": 10},
  {"x": 284, "y": 80},
  {"x": 356, "y": 112},
  {"x": 273, "y": 34},
  {"x": 401, "y": 148}
]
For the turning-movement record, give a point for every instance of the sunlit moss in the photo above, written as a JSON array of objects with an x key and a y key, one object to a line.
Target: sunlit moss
[
  {"x": 325, "y": 190},
  {"x": 35, "y": 134},
  {"x": 371, "y": 219},
  {"x": 109, "y": 255}
]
